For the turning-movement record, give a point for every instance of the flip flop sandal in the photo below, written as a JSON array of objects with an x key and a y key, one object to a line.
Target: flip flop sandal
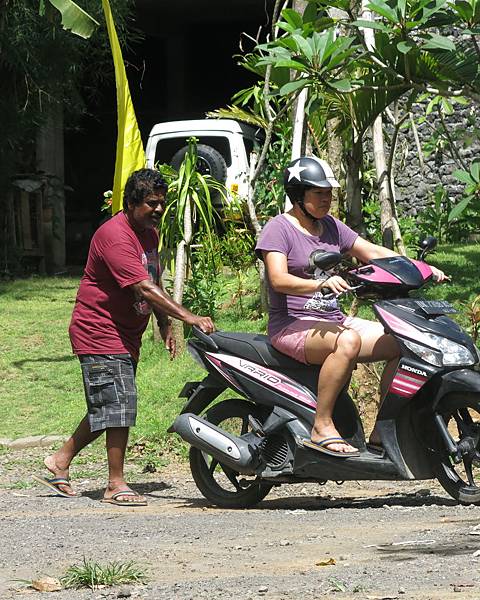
[
  {"x": 116, "y": 499},
  {"x": 320, "y": 447},
  {"x": 54, "y": 485}
]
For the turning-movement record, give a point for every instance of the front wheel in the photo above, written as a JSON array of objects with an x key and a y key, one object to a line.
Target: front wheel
[
  {"x": 462, "y": 480},
  {"x": 218, "y": 483}
]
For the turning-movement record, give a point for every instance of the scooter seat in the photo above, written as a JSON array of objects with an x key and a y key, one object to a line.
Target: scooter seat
[{"x": 255, "y": 347}]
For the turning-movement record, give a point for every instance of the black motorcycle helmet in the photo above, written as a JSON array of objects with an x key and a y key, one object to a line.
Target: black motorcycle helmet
[{"x": 305, "y": 172}]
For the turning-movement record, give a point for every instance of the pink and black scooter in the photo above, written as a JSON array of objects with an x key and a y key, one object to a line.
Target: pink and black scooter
[{"x": 429, "y": 423}]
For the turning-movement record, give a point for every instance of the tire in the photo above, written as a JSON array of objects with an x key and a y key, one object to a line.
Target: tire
[
  {"x": 210, "y": 162},
  {"x": 221, "y": 485},
  {"x": 462, "y": 480}
]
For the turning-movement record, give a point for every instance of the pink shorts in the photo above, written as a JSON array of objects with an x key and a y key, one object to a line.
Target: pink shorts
[{"x": 291, "y": 339}]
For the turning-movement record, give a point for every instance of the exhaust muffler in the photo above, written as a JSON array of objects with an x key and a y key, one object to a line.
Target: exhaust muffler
[{"x": 228, "y": 449}]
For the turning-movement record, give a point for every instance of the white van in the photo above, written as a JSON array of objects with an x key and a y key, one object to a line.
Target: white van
[{"x": 224, "y": 148}]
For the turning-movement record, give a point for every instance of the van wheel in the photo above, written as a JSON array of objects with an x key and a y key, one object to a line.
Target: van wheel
[{"x": 210, "y": 162}]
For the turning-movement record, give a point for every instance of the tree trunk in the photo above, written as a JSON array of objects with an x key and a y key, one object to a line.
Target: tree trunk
[
  {"x": 256, "y": 226},
  {"x": 386, "y": 216},
  {"x": 335, "y": 154},
  {"x": 50, "y": 161},
  {"x": 298, "y": 134},
  {"x": 390, "y": 230},
  {"x": 298, "y": 138},
  {"x": 354, "y": 160},
  {"x": 180, "y": 273}
]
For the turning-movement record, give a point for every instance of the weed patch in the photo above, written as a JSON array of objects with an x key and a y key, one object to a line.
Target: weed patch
[{"x": 92, "y": 574}]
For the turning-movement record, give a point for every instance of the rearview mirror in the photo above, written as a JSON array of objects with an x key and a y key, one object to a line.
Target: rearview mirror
[
  {"x": 426, "y": 245},
  {"x": 323, "y": 260}
]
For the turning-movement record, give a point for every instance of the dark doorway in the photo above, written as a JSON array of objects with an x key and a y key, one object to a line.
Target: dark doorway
[{"x": 184, "y": 67}]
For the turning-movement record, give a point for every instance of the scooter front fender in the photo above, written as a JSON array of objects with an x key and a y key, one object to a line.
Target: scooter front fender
[{"x": 458, "y": 389}]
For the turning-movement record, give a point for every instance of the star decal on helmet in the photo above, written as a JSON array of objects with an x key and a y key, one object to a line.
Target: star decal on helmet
[{"x": 295, "y": 171}]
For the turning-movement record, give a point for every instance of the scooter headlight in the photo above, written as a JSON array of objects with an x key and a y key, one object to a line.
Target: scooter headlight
[
  {"x": 425, "y": 353},
  {"x": 446, "y": 353}
]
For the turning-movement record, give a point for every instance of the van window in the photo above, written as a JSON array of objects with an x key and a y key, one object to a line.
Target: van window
[{"x": 166, "y": 148}]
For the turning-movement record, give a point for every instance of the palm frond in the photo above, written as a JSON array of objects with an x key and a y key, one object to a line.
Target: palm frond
[{"x": 238, "y": 114}]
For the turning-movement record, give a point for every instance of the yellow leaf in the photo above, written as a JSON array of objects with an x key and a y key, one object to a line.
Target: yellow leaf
[
  {"x": 325, "y": 563},
  {"x": 47, "y": 584}
]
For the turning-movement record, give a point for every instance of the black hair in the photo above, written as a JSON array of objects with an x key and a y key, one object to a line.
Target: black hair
[
  {"x": 141, "y": 184},
  {"x": 296, "y": 192}
]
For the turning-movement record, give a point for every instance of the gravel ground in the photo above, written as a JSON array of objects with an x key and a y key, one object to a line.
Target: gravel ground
[{"x": 362, "y": 540}]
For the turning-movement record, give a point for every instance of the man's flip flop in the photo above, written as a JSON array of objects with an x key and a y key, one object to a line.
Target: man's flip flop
[
  {"x": 320, "y": 447},
  {"x": 54, "y": 485},
  {"x": 116, "y": 499}
]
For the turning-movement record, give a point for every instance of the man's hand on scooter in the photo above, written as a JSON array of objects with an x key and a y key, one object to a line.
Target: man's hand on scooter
[{"x": 203, "y": 323}]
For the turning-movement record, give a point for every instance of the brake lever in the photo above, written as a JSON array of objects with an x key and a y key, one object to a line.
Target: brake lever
[{"x": 337, "y": 295}]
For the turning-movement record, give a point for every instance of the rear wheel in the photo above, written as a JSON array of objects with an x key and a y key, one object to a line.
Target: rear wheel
[
  {"x": 462, "y": 480},
  {"x": 218, "y": 483}
]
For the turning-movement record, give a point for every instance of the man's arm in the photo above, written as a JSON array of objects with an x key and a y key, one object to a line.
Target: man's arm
[{"x": 162, "y": 305}]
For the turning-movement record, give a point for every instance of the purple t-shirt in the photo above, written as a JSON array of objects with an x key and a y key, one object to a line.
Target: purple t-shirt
[{"x": 281, "y": 235}]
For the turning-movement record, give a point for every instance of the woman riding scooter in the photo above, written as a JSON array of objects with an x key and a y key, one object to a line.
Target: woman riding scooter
[{"x": 303, "y": 323}]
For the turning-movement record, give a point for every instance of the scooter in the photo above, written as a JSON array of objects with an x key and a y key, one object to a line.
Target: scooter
[{"x": 429, "y": 422}]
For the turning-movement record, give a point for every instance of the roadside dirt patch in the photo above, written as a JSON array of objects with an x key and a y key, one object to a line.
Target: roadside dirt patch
[{"x": 362, "y": 540}]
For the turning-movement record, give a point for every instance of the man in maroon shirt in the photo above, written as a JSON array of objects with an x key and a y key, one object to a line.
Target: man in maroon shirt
[{"x": 118, "y": 291}]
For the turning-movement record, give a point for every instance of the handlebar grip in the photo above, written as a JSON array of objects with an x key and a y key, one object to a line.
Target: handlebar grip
[{"x": 205, "y": 338}]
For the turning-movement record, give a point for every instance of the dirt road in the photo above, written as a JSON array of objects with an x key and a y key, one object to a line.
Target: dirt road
[{"x": 360, "y": 540}]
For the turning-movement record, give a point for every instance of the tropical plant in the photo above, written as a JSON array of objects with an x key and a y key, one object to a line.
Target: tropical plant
[
  {"x": 353, "y": 81},
  {"x": 202, "y": 290},
  {"x": 471, "y": 179},
  {"x": 237, "y": 249},
  {"x": 473, "y": 314},
  {"x": 189, "y": 211}
]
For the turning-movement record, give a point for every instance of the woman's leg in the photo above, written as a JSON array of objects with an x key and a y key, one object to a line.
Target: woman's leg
[
  {"x": 376, "y": 346},
  {"x": 336, "y": 348}
]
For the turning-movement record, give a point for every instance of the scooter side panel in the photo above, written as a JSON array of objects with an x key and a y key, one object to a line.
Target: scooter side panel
[{"x": 410, "y": 378}]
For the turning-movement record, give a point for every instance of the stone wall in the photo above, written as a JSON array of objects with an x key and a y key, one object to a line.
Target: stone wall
[{"x": 414, "y": 185}]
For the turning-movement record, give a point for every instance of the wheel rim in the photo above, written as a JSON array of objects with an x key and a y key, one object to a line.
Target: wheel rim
[
  {"x": 203, "y": 167},
  {"x": 464, "y": 427},
  {"x": 227, "y": 481}
]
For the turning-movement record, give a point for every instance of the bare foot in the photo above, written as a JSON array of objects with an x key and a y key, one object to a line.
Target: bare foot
[
  {"x": 119, "y": 493},
  {"x": 51, "y": 464}
]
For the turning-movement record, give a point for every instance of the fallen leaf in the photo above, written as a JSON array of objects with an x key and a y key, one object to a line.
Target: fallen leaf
[
  {"x": 47, "y": 584},
  {"x": 325, "y": 563}
]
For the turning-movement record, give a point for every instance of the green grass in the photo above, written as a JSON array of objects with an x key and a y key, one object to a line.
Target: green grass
[
  {"x": 41, "y": 389},
  {"x": 40, "y": 382},
  {"x": 92, "y": 574}
]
